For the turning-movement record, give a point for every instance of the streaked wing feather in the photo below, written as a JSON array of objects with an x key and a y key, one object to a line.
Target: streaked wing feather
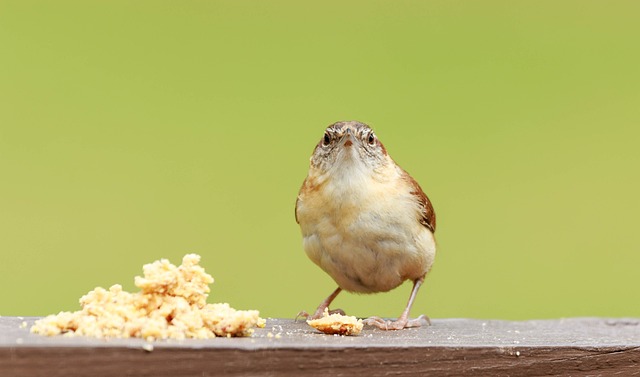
[{"x": 428, "y": 215}]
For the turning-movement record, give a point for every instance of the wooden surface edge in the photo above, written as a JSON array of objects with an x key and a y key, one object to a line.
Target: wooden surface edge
[
  {"x": 412, "y": 361},
  {"x": 450, "y": 347}
]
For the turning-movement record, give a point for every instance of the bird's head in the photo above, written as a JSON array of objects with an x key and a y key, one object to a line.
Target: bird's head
[{"x": 349, "y": 145}]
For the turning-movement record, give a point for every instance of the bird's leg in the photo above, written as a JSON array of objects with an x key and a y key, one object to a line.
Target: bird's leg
[
  {"x": 403, "y": 321},
  {"x": 323, "y": 305}
]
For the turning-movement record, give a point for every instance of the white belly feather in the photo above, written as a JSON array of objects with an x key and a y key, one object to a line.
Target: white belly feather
[{"x": 364, "y": 233}]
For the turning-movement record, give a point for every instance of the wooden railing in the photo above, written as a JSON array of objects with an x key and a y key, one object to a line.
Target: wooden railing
[{"x": 449, "y": 347}]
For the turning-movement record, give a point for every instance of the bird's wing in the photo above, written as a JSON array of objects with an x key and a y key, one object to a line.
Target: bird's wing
[
  {"x": 305, "y": 183},
  {"x": 427, "y": 214},
  {"x": 296, "y": 209}
]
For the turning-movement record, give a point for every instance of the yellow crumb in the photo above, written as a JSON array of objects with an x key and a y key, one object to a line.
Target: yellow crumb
[
  {"x": 337, "y": 324},
  {"x": 171, "y": 304}
]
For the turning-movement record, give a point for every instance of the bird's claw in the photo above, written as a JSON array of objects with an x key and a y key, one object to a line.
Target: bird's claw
[
  {"x": 301, "y": 314},
  {"x": 335, "y": 311},
  {"x": 318, "y": 314},
  {"x": 398, "y": 324}
]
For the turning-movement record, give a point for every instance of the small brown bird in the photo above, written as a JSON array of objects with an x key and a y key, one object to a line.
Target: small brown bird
[{"x": 365, "y": 221}]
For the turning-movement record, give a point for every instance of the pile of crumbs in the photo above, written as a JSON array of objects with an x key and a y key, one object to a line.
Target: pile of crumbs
[
  {"x": 337, "y": 324},
  {"x": 171, "y": 304}
]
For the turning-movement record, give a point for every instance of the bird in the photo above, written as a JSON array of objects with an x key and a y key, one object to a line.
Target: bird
[{"x": 364, "y": 220}]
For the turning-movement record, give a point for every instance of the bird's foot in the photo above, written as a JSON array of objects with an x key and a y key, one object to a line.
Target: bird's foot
[
  {"x": 318, "y": 314},
  {"x": 401, "y": 323}
]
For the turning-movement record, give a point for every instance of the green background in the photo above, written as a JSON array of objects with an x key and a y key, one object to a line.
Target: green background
[{"x": 134, "y": 131}]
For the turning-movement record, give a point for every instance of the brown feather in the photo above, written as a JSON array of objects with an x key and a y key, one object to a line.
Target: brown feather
[
  {"x": 428, "y": 215},
  {"x": 308, "y": 185}
]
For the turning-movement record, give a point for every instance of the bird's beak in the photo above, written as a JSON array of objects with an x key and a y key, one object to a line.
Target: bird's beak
[{"x": 348, "y": 137}]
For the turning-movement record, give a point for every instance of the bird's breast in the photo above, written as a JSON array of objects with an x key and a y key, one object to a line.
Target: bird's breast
[{"x": 365, "y": 233}]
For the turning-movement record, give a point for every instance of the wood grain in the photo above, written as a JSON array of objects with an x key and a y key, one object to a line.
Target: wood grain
[{"x": 450, "y": 347}]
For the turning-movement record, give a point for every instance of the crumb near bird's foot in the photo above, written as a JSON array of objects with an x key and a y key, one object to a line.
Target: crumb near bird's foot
[{"x": 337, "y": 324}]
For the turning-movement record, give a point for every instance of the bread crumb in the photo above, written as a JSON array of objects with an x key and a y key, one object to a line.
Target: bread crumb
[
  {"x": 337, "y": 324},
  {"x": 171, "y": 304}
]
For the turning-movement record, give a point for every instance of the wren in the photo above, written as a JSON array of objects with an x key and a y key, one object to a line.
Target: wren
[{"x": 365, "y": 221}]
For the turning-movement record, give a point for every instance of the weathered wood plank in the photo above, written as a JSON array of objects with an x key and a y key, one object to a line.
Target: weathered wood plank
[{"x": 450, "y": 347}]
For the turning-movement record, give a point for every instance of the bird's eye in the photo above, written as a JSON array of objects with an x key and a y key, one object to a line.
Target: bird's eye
[
  {"x": 327, "y": 139},
  {"x": 371, "y": 139}
]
